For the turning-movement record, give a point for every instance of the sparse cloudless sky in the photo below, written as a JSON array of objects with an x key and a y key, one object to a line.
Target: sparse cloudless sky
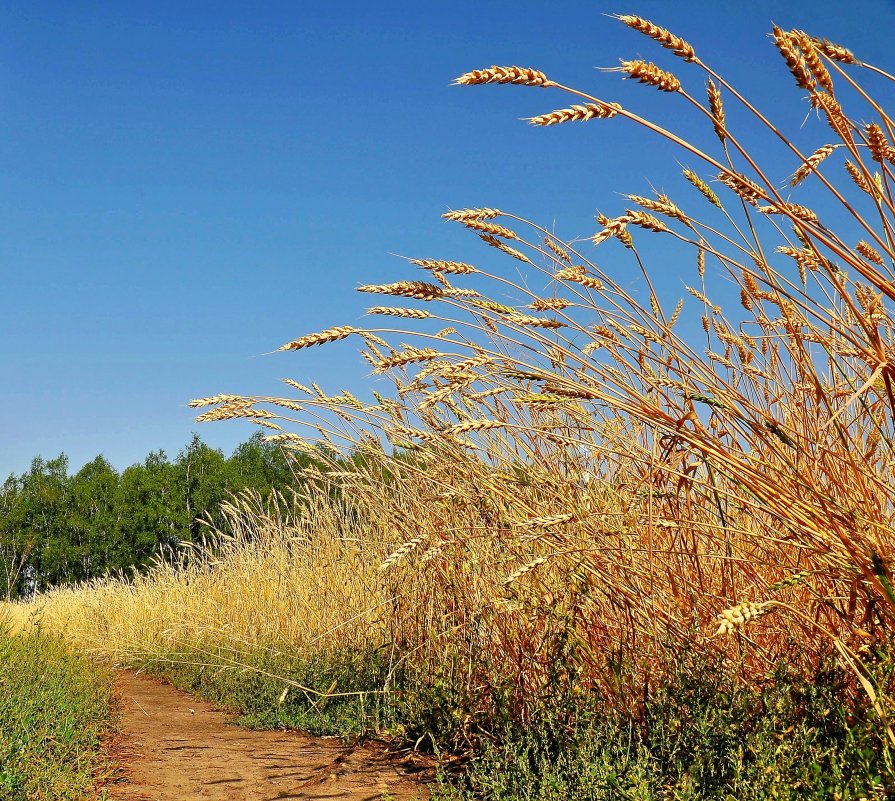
[{"x": 185, "y": 186}]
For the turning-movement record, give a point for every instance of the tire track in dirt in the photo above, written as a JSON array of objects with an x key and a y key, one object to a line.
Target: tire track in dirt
[{"x": 174, "y": 747}]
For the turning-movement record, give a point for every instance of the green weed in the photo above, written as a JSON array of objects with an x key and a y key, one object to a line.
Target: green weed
[{"x": 54, "y": 709}]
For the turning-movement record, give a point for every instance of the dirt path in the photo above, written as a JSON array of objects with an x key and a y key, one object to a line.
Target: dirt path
[{"x": 177, "y": 748}]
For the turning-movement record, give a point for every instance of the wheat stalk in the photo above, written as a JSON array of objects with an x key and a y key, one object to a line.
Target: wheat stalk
[
  {"x": 835, "y": 52},
  {"x": 329, "y": 335},
  {"x": 716, "y": 108},
  {"x": 648, "y": 73},
  {"x": 664, "y": 37},
  {"x": 704, "y": 189},
  {"x": 738, "y": 183},
  {"x": 492, "y": 229},
  {"x": 736, "y": 617},
  {"x": 577, "y": 113},
  {"x": 440, "y": 266},
  {"x": 416, "y": 314},
  {"x": 461, "y": 215},
  {"x": 420, "y": 290},
  {"x": 515, "y": 75},
  {"x": 788, "y": 47},
  {"x": 811, "y": 164}
]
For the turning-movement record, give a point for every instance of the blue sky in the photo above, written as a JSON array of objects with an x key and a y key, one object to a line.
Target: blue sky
[{"x": 185, "y": 186}]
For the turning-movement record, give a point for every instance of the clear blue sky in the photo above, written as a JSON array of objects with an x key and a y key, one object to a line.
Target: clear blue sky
[{"x": 184, "y": 186}]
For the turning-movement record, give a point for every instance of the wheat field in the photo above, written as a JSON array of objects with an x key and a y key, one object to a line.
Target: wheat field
[{"x": 564, "y": 481}]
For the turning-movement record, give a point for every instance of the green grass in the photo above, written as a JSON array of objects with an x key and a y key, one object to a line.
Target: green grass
[
  {"x": 54, "y": 709},
  {"x": 705, "y": 735},
  {"x": 344, "y": 695}
]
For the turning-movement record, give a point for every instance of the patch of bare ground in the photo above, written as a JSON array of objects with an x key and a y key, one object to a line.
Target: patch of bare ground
[{"x": 173, "y": 747}]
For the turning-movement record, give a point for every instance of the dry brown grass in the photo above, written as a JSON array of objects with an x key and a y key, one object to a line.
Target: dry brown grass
[{"x": 598, "y": 477}]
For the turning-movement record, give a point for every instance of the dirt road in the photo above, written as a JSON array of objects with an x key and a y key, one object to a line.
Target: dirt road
[{"x": 177, "y": 748}]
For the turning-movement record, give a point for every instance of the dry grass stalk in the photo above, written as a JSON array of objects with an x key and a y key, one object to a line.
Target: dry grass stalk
[
  {"x": 333, "y": 334},
  {"x": 704, "y": 189},
  {"x": 420, "y": 290},
  {"x": 462, "y": 215},
  {"x": 577, "y": 113},
  {"x": 440, "y": 266},
  {"x": 869, "y": 253},
  {"x": 492, "y": 229},
  {"x": 561, "y": 253},
  {"x": 664, "y": 37},
  {"x": 813, "y": 60},
  {"x": 835, "y": 52},
  {"x": 516, "y": 75},
  {"x": 811, "y": 164},
  {"x": 788, "y": 46},
  {"x": 716, "y": 108},
  {"x": 748, "y": 190},
  {"x": 648, "y": 73},
  {"x": 663, "y": 475},
  {"x": 416, "y": 314}
]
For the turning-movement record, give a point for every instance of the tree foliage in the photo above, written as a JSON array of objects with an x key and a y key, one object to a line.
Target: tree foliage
[{"x": 59, "y": 528}]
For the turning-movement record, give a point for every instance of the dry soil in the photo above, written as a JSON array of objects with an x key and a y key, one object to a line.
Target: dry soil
[{"x": 174, "y": 747}]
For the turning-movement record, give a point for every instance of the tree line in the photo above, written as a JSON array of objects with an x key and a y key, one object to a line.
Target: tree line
[{"x": 60, "y": 528}]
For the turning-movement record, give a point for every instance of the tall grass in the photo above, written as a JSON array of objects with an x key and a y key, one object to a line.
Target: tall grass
[{"x": 571, "y": 489}]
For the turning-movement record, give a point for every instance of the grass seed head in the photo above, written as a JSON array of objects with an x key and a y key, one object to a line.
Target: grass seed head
[
  {"x": 734, "y": 618},
  {"x": 716, "y": 107},
  {"x": 738, "y": 183},
  {"x": 391, "y": 311},
  {"x": 419, "y": 290},
  {"x": 648, "y": 73},
  {"x": 813, "y": 60},
  {"x": 490, "y": 239},
  {"x": 492, "y": 229},
  {"x": 835, "y": 52},
  {"x": 516, "y": 75},
  {"x": 329, "y": 335},
  {"x": 440, "y": 266},
  {"x": 788, "y": 47},
  {"x": 471, "y": 214},
  {"x": 661, "y": 35},
  {"x": 869, "y": 253},
  {"x": 879, "y": 146},
  {"x": 811, "y": 164},
  {"x": 560, "y": 252},
  {"x": 704, "y": 189},
  {"x": 577, "y": 113}
]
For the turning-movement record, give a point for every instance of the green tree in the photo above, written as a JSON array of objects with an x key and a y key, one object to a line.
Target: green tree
[
  {"x": 44, "y": 511},
  {"x": 151, "y": 512},
  {"x": 93, "y": 519}
]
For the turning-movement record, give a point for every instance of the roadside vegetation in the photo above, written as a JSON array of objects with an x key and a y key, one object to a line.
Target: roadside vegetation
[
  {"x": 54, "y": 709},
  {"x": 598, "y": 544}
]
